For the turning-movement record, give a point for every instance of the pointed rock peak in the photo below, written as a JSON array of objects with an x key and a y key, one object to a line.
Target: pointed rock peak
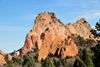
[{"x": 81, "y": 21}]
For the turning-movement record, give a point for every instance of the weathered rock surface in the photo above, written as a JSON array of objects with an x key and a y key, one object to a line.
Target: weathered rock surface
[
  {"x": 2, "y": 53},
  {"x": 52, "y": 37},
  {"x": 2, "y": 61},
  {"x": 81, "y": 27},
  {"x": 9, "y": 57}
]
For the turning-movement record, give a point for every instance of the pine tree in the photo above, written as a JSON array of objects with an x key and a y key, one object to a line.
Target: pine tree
[
  {"x": 79, "y": 63},
  {"x": 86, "y": 58}
]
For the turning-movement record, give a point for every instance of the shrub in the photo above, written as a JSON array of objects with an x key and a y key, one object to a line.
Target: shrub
[
  {"x": 67, "y": 57},
  {"x": 18, "y": 61},
  {"x": 35, "y": 49},
  {"x": 59, "y": 63},
  {"x": 28, "y": 52},
  {"x": 59, "y": 21},
  {"x": 55, "y": 62},
  {"x": 36, "y": 56},
  {"x": 29, "y": 61},
  {"x": 9, "y": 63},
  {"x": 47, "y": 63}
]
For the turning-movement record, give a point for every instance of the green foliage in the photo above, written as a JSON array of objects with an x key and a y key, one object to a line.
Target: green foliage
[
  {"x": 66, "y": 41},
  {"x": 42, "y": 60},
  {"x": 47, "y": 63},
  {"x": 59, "y": 21},
  {"x": 55, "y": 62},
  {"x": 52, "y": 16},
  {"x": 97, "y": 27},
  {"x": 17, "y": 61},
  {"x": 68, "y": 57},
  {"x": 86, "y": 58},
  {"x": 82, "y": 41},
  {"x": 28, "y": 52},
  {"x": 9, "y": 63},
  {"x": 29, "y": 61},
  {"x": 80, "y": 52},
  {"x": 62, "y": 61},
  {"x": 36, "y": 56},
  {"x": 90, "y": 42},
  {"x": 94, "y": 33},
  {"x": 59, "y": 63},
  {"x": 96, "y": 58},
  {"x": 35, "y": 49},
  {"x": 79, "y": 63}
]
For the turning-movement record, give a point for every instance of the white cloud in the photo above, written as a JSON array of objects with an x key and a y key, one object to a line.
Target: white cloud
[{"x": 96, "y": 14}]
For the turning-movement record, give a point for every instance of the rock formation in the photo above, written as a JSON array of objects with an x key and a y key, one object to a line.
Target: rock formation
[
  {"x": 48, "y": 35},
  {"x": 2, "y": 60},
  {"x": 2, "y": 53},
  {"x": 9, "y": 57},
  {"x": 82, "y": 28}
]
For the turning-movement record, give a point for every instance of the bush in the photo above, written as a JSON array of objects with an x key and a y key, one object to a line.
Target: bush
[
  {"x": 55, "y": 62},
  {"x": 9, "y": 63},
  {"x": 36, "y": 56},
  {"x": 47, "y": 63},
  {"x": 28, "y": 52},
  {"x": 82, "y": 41},
  {"x": 18, "y": 61},
  {"x": 90, "y": 42},
  {"x": 59, "y": 21},
  {"x": 59, "y": 63},
  {"x": 35, "y": 49},
  {"x": 29, "y": 61},
  {"x": 67, "y": 57}
]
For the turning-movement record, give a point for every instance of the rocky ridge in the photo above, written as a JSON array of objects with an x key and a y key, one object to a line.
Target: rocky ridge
[{"x": 52, "y": 37}]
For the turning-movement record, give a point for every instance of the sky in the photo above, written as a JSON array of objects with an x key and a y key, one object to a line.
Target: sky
[{"x": 17, "y": 17}]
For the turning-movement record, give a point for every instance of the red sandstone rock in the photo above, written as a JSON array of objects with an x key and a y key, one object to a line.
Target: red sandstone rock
[
  {"x": 2, "y": 61},
  {"x": 2, "y": 53},
  {"x": 48, "y": 35},
  {"x": 9, "y": 57}
]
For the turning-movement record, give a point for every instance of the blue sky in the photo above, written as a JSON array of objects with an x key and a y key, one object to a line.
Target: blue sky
[{"x": 17, "y": 17}]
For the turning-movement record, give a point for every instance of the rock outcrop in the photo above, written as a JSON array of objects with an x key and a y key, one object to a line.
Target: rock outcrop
[
  {"x": 48, "y": 35},
  {"x": 2, "y": 53},
  {"x": 2, "y": 61},
  {"x": 52, "y": 37},
  {"x": 9, "y": 57},
  {"x": 82, "y": 28}
]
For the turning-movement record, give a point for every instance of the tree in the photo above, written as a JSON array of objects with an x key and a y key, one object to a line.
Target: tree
[
  {"x": 86, "y": 58},
  {"x": 47, "y": 63},
  {"x": 96, "y": 58},
  {"x": 79, "y": 63},
  {"x": 97, "y": 27}
]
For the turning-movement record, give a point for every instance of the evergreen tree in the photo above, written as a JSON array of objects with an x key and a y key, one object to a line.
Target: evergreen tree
[
  {"x": 86, "y": 58},
  {"x": 97, "y": 27},
  {"x": 79, "y": 63},
  {"x": 29, "y": 61},
  {"x": 96, "y": 58}
]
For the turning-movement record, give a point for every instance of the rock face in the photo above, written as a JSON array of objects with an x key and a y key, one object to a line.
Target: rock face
[
  {"x": 9, "y": 57},
  {"x": 81, "y": 27},
  {"x": 2, "y": 61},
  {"x": 52, "y": 37},
  {"x": 2, "y": 53}
]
